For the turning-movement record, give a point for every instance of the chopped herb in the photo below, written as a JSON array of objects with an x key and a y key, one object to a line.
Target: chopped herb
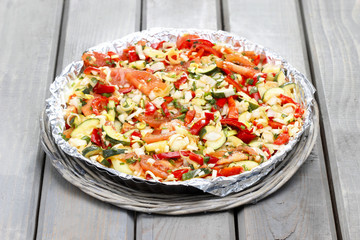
[
  {"x": 253, "y": 90},
  {"x": 83, "y": 102},
  {"x": 94, "y": 80},
  {"x": 206, "y": 159},
  {"x": 188, "y": 40},
  {"x": 250, "y": 81},
  {"x": 122, "y": 163},
  {"x": 276, "y": 135},
  {"x": 183, "y": 109},
  {"x": 283, "y": 115},
  {"x": 106, "y": 95},
  {"x": 192, "y": 167},
  {"x": 232, "y": 76},
  {"x": 149, "y": 79},
  {"x": 256, "y": 68},
  {"x": 242, "y": 127},
  {"x": 162, "y": 112},
  {"x": 88, "y": 58},
  {"x": 172, "y": 162},
  {"x": 130, "y": 161},
  {"x": 176, "y": 104},
  {"x": 193, "y": 86},
  {"x": 72, "y": 122},
  {"x": 64, "y": 137},
  {"x": 243, "y": 53},
  {"x": 182, "y": 62},
  {"x": 212, "y": 101},
  {"x": 258, "y": 77},
  {"x": 245, "y": 168},
  {"x": 230, "y": 152},
  {"x": 181, "y": 117}
]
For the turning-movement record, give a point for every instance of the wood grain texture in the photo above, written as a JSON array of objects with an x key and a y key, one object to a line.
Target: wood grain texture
[
  {"x": 333, "y": 29},
  {"x": 199, "y": 14},
  {"x": 66, "y": 212},
  {"x": 302, "y": 208},
  {"x": 181, "y": 14},
  {"x": 27, "y": 52}
]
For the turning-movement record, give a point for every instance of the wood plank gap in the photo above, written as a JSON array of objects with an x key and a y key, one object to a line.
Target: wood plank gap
[
  {"x": 44, "y": 155},
  {"x": 220, "y": 14},
  {"x": 321, "y": 125},
  {"x": 142, "y": 25}
]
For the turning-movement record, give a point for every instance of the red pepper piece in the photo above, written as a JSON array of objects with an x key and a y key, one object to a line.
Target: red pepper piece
[
  {"x": 196, "y": 158},
  {"x": 150, "y": 108},
  {"x": 285, "y": 99},
  {"x": 275, "y": 125},
  {"x": 157, "y": 45},
  {"x": 164, "y": 106},
  {"x": 208, "y": 49},
  {"x": 283, "y": 138},
  {"x": 171, "y": 155},
  {"x": 209, "y": 116},
  {"x": 91, "y": 70},
  {"x": 233, "y": 112},
  {"x": 185, "y": 41},
  {"x": 256, "y": 96},
  {"x": 181, "y": 81},
  {"x": 133, "y": 56},
  {"x": 265, "y": 149},
  {"x": 95, "y": 137},
  {"x": 126, "y": 90},
  {"x": 234, "y": 123},
  {"x": 101, "y": 88},
  {"x": 98, "y": 104},
  {"x": 195, "y": 129},
  {"x": 112, "y": 56},
  {"x": 212, "y": 160},
  {"x": 245, "y": 136},
  {"x": 221, "y": 102},
  {"x": 178, "y": 173},
  {"x": 229, "y": 171},
  {"x": 189, "y": 116}
]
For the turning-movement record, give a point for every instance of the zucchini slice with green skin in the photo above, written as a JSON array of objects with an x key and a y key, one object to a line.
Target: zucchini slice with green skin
[
  {"x": 272, "y": 92},
  {"x": 206, "y": 69},
  {"x": 217, "y": 143},
  {"x": 223, "y": 93},
  {"x": 114, "y": 137},
  {"x": 91, "y": 150},
  {"x": 247, "y": 165},
  {"x": 280, "y": 78},
  {"x": 252, "y": 106},
  {"x": 85, "y": 128},
  {"x": 288, "y": 87},
  {"x": 112, "y": 152},
  {"x": 105, "y": 163}
]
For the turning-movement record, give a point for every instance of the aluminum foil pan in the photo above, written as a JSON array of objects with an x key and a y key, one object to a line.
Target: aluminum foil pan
[{"x": 220, "y": 186}]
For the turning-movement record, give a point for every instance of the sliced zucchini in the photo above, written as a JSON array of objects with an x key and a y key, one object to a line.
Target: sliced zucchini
[
  {"x": 141, "y": 64},
  {"x": 288, "y": 87},
  {"x": 111, "y": 110},
  {"x": 114, "y": 137},
  {"x": 217, "y": 143},
  {"x": 247, "y": 165},
  {"x": 252, "y": 106},
  {"x": 85, "y": 128},
  {"x": 235, "y": 141},
  {"x": 91, "y": 150},
  {"x": 280, "y": 78},
  {"x": 206, "y": 69},
  {"x": 105, "y": 163},
  {"x": 113, "y": 151},
  {"x": 223, "y": 93},
  {"x": 121, "y": 167},
  {"x": 256, "y": 144},
  {"x": 272, "y": 92},
  {"x": 229, "y": 133}
]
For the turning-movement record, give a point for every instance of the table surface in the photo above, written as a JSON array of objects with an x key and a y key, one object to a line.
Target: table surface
[{"x": 321, "y": 38}]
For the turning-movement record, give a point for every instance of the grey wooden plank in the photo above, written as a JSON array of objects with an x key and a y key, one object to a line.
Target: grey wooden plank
[
  {"x": 181, "y": 14},
  {"x": 188, "y": 14},
  {"x": 66, "y": 212},
  {"x": 302, "y": 208},
  {"x": 334, "y": 41},
  {"x": 28, "y": 47}
]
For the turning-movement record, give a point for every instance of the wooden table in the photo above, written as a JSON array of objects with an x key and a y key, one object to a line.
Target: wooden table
[{"x": 321, "y": 38}]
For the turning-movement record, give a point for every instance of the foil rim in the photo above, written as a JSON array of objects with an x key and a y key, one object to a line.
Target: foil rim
[{"x": 220, "y": 186}]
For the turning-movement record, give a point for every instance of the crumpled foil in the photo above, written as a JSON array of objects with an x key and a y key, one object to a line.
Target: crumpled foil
[{"x": 220, "y": 186}]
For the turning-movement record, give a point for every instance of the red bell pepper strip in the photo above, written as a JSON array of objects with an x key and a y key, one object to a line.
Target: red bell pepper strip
[
  {"x": 234, "y": 123},
  {"x": 157, "y": 45},
  {"x": 212, "y": 160},
  {"x": 283, "y": 138},
  {"x": 221, "y": 102},
  {"x": 91, "y": 70},
  {"x": 229, "y": 171},
  {"x": 285, "y": 99},
  {"x": 275, "y": 125},
  {"x": 98, "y": 104},
  {"x": 164, "y": 106},
  {"x": 189, "y": 116},
  {"x": 171, "y": 155},
  {"x": 209, "y": 116},
  {"x": 96, "y": 138},
  {"x": 235, "y": 84},
  {"x": 233, "y": 112},
  {"x": 112, "y": 56},
  {"x": 256, "y": 96},
  {"x": 196, "y": 158},
  {"x": 181, "y": 81},
  {"x": 126, "y": 90},
  {"x": 265, "y": 149},
  {"x": 195, "y": 129},
  {"x": 150, "y": 108},
  {"x": 178, "y": 173},
  {"x": 246, "y": 137},
  {"x": 208, "y": 49},
  {"x": 133, "y": 56},
  {"x": 101, "y": 88}
]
